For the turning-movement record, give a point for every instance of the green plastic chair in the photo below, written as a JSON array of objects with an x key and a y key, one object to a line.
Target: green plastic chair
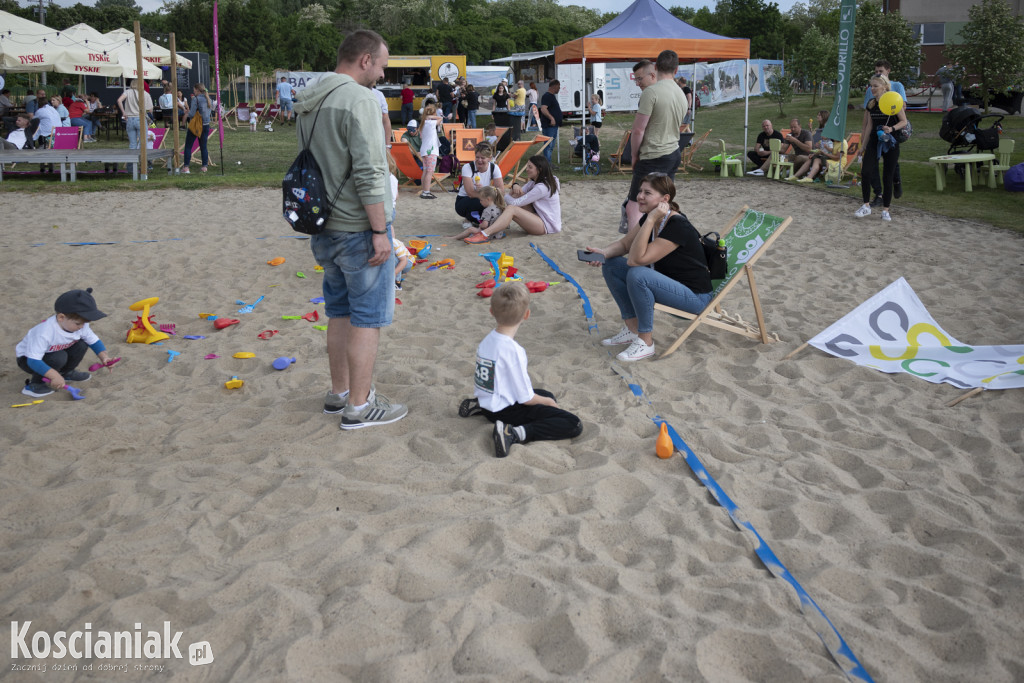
[
  {"x": 777, "y": 162},
  {"x": 725, "y": 162}
]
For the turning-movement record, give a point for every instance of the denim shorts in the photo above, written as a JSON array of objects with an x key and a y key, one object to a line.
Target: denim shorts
[
  {"x": 352, "y": 288},
  {"x": 286, "y": 104}
]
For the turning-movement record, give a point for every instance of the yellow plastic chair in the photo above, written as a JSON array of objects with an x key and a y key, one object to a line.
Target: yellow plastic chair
[
  {"x": 1003, "y": 155},
  {"x": 727, "y": 162},
  {"x": 777, "y": 163}
]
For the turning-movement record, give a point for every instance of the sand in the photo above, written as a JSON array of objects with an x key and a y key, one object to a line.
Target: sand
[{"x": 247, "y": 519}]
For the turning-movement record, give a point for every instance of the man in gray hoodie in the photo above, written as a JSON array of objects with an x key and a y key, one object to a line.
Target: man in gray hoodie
[{"x": 355, "y": 249}]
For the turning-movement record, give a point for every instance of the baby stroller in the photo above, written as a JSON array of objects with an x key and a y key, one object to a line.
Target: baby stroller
[
  {"x": 962, "y": 130},
  {"x": 587, "y": 147}
]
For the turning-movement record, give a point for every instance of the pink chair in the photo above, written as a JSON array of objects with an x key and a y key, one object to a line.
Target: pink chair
[{"x": 66, "y": 137}]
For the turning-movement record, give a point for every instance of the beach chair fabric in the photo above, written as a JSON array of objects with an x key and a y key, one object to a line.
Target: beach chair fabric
[
  {"x": 242, "y": 113},
  {"x": 509, "y": 160},
  {"x": 161, "y": 135},
  {"x": 464, "y": 143},
  {"x": 747, "y": 238},
  {"x": 407, "y": 166},
  {"x": 66, "y": 137}
]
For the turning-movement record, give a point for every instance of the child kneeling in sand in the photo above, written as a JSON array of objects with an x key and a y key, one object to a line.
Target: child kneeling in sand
[
  {"x": 504, "y": 393},
  {"x": 54, "y": 348}
]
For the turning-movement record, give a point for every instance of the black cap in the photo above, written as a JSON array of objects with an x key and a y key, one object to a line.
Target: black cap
[{"x": 79, "y": 302}]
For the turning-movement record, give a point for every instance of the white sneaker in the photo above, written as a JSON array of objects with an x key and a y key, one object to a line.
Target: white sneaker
[
  {"x": 886, "y": 216},
  {"x": 638, "y": 350},
  {"x": 862, "y": 211},
  {"x": 624, "y": 336},
  {"x": 756, "y": 171}
]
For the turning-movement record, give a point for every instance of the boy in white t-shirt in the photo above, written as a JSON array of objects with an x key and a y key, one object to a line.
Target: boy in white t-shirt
[
  {"x": 54, "y": 348},
  {"x": 504, "y": 393}
]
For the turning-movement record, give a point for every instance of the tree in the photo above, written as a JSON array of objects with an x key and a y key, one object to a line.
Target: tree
[
  {"x": 815, "y": 58},
  {"x": 757, "y": 20},
  {"x": 992, "y": 48},
  {"x": 882, "y": 36},
  {"x": 779, "y": 89}
]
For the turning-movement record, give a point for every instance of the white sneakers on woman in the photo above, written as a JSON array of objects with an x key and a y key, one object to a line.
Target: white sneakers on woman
[
  {"x": 624, "y": 336},
  {"x": 638, "y": 350},
  {"x": 862, "y": 211}
]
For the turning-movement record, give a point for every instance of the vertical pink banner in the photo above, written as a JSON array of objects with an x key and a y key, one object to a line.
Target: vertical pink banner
[{"x": 216, "y": 68}]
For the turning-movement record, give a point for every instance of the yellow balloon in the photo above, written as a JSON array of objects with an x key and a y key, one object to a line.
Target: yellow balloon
[{"x": 890, "y": 103}]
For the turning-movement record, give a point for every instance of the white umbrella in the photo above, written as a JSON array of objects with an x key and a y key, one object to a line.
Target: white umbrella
[{"x": 151, "y": 52}]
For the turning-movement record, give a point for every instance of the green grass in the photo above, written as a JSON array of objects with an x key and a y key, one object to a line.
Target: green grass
[{"x": 265, "y": 156}]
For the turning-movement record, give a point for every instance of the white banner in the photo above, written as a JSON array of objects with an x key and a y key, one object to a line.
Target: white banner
[{"x": 893, "y": 332}]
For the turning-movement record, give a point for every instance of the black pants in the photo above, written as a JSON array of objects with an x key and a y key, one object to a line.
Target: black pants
[
  {"x": 756, "y": 159},
  {"x": 876, "y": 180},
  {"x": 869, "y": 172},
  {"x": 542, "y": 423},
  {"x": 62, "y": 361},
  {"x": 464, "y": 206}
]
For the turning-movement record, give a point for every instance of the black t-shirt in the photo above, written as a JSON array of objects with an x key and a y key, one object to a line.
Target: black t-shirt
[
  {"x": 685, "y": 264},
  {"x": 550, "y": 100},
  {"x": 444, "y": 92},
  {"x": 472, "y": 100},
  {"x": 762, "y": 139},
  {"x": 501, "y": 100}
]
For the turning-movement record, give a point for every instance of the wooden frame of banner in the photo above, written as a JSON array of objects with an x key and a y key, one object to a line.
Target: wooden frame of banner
[{"x": 963, "y": 397}]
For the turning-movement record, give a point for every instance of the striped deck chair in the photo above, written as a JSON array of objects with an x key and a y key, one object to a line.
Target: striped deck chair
[{"x": 747, "y": 238}]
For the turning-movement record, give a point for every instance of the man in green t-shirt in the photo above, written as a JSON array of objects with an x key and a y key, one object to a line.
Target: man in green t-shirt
[{"x": 655, "y": 136}]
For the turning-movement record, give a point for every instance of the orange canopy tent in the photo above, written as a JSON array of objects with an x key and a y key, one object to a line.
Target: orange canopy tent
[{"x": 643, "y": 30}]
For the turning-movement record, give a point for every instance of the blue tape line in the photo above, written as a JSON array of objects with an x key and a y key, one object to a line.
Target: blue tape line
[
  {"x": 588, "y": 311},
  {"x": 840, "y": 652}
]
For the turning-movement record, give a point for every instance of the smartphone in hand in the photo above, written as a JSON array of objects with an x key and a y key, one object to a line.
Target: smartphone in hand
[{"x": 589, "y": 256}]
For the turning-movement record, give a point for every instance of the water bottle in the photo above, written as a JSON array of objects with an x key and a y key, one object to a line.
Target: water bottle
[
  {"x": 721, "y": 245},
  {"x": 881, "y": 134}
]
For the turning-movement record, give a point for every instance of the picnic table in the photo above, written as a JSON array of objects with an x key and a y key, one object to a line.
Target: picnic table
[
  {"x": 968, "y": 160},
  {"x": 68, "y": 159}
]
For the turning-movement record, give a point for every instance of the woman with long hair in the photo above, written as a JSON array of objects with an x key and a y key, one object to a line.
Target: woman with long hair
[
  {"x": 499, "y": 110},
  {"x": 678, "y": 277},
  {"x": 877, "y": 143},
  {"x": 200, "y": 103},
  {"x": 535, "y": 206}
]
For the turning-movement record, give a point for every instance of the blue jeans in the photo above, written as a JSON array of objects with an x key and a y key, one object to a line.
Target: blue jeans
[
  {"x": 637, "y": 288},
  {"x": 352, "y": 288},
  {"x": 551, "y": 132},
  {"x": 131, "y": 126},
  {"x": 471, "y": 118},
  {"x": 190, "y": 138},
  {"x": 88, "y": 127}
]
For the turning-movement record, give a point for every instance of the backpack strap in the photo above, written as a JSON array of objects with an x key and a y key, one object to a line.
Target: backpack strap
[{"x": 305, "y": 145}]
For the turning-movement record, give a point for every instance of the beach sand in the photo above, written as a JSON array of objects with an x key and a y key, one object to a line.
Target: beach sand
[{"x": 247, "y": 519}]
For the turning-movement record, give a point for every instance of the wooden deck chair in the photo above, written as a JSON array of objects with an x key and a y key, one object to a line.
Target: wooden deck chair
[
  {"x": 258, "y": 110},
  {"x": 747, "y": 238},
  {"x": 464, "y": 144},
  {"x": 195, "y": 154},
  {"x": 449, "y": 127},
  {"x": 616, "y": 157},
  {"x": 686, "y": 161},
  {"x": 242, "y": 114},
  {"x": 397, "y": 133},
  {"x": 407, "y": 166},
  {"x": 161, "y": 135},
  {"x": 852, "y": 150},
  {"x": 777, "y": 162},
  {"x": 66, "y": 137},
  {"x": 726, "y": 162},
  {"x": 1002, "y": 162},
  {"x": 509, "y": 160}
]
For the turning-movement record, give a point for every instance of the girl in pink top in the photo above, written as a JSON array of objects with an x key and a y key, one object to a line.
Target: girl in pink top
[{"x": 535, "y": 206}]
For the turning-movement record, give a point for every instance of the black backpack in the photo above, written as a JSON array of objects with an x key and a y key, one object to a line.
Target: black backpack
[
  {"x": 305, "y": 204},
  {"x": 716, "y": 255}
]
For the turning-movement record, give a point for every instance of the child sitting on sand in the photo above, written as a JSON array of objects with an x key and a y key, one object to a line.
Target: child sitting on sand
[
  {"x": 493, "y": 202},
  {"x": 491, "y": 135},
  {"x": 54, "y": 348},
  {"x": 403, "y": 262},
  {"x": 504, "y": 393}
]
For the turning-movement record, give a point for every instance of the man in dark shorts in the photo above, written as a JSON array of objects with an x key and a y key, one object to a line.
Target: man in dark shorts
[{"x": 655, "y": 137}]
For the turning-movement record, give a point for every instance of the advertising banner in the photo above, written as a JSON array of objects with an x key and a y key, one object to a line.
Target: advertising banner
[
  {"x": 835, "y": 128},
  {"x": 893, "y": 332}
]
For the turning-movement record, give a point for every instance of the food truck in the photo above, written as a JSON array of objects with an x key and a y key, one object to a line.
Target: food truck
[{"x": 422, "y": 73}]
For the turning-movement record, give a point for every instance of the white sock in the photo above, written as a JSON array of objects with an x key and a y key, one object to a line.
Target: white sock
[
  {"x": 360, "y": 408},
  {"x": 520, "y": 432}
]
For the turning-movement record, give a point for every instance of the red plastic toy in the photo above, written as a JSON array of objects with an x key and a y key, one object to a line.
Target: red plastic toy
[{"x": 221, "y": 323}]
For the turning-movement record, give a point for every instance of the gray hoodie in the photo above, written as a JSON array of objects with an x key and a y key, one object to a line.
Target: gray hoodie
[{"x": 348, "y": 143}]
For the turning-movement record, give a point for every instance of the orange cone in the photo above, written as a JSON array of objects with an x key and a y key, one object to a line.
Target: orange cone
[{"x": 664, "y": 447}]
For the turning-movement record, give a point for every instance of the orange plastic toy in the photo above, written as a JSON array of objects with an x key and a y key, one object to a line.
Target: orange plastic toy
[
  {"x": 142, "y": 330},
  {"x": 664, "y": 447},
  {"x": 276, "y": 262}
]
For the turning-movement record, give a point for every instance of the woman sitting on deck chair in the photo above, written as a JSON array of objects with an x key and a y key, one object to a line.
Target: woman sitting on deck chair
[{"x": 665, "y": 239}]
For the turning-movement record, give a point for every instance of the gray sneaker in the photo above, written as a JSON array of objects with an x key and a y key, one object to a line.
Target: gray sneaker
[
  {"x": 76, "y": 376},
  {"x": 379, "y": 411},
  {"x": 334, "y": 403},
  {"x": 503, "y": 437},
  {"x": 36, "y": 389}
]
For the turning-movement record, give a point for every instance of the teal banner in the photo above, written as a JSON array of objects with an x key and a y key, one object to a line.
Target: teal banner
[{"x": 835, "y": 129}]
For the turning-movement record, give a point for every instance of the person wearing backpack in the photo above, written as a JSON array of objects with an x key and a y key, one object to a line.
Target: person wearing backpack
[
  {"x": 355, "y": 248},
  {"x": 482, "y": 172}
]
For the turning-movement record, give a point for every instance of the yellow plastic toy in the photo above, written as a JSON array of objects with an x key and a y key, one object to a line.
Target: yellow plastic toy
[
  {"x": 234, "y": 382},
  {"x": 142, "y": 331},
  {"x": 505, "y": 262},
  {"x": 244, "y": 354}
]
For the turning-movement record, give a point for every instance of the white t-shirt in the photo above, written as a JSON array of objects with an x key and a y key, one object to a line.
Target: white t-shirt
[
  {"x": 166, "y": 101},
  {"x": 48, "y": 336},
  {"x": 17, "y": 137},
  {"x": 382, "y": 100},
  {"x": 501, "y": 377},
  {"x": 430, "y": 143},
  {"x": 479, "y": 179}
]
